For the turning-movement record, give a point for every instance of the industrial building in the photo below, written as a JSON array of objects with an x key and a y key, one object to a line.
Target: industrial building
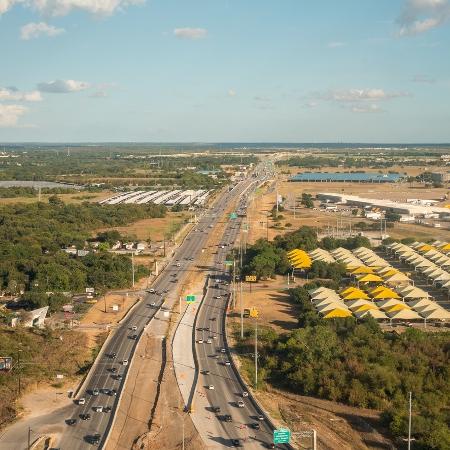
[
  {"x": 347, "y": 177},
  {"x": 169, "y": 198},
  {"x": 386, "y": 205}
]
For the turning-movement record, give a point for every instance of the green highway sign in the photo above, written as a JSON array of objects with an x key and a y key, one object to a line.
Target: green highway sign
[
  {"x": 281, "y": 436},
  {"x": 190, "y": 298},
  {"x": 228, "y": 263},
  {"x": 233, "y": 215}
]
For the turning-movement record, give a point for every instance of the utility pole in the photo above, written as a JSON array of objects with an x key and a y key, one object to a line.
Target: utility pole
[
  {"x": 29, "y": 438},
  {"x": 409, "y": 421},
  {"x": 242, "y": 312},
  {"x": 256, "y": 354},
  {"x": 132, "y": 267}
]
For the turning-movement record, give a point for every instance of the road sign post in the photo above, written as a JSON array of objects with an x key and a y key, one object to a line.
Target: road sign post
[{"x": 281, "y": 436}]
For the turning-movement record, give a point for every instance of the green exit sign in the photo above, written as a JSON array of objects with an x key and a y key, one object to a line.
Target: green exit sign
[
  {"x": 233, "y": 215},
  {"x": 190, "y": 298},
  {"x": 281, "y": 436}
]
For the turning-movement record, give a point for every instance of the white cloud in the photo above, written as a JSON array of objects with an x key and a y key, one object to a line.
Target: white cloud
[
  {"x": 336, "y": 44},
  {"x": 358, "y": 95},
  {"x": 372, "y": 108},
  {"x": 35, "y": 30},
  {"x": 13, "y": 94},
  {"x": 63, "y": 86},
  {"x": 64, "y": 7},
  {"x": 99, "y": 94},
  {"x": 190, "y": 33},
  {"x": 231, "y": 93},
  {"x": 419, "y": 16},
  {"x": 10, "y": 114}
]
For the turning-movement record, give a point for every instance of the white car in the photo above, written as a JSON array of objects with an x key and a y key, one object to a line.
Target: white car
[
  {"x": 98, "y": 408},
  {"x": 227, "y": 363},
  {"x": 240, "y": 404},
  {"x": 81, "y": 401},
  {"x": 218, "y": 297},
  {"x": 211, "y": 387},
  {"x": 209, "y": 341},
  {"x": 153, "y": 304},
  {"x": 134, "y": 327},
  {"x": 125, "y": 362},
  {"x": 245, "y": 394},
  {"x": 200, "y": 341}
]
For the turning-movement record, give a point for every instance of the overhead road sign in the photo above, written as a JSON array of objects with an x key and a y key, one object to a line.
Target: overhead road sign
[
  {"x": 228, "y": 263},
  {"x": 281, "y": 436},
  {"x": 190, "y": 298}
]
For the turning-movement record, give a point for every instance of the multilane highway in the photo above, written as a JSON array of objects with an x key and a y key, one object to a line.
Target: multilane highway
[
  {"x": 109, "y": 374},
  {"x": 247, "y": 427}
]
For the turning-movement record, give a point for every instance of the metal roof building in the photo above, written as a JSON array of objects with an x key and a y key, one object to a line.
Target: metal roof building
[{"x": 352, "y": 177}]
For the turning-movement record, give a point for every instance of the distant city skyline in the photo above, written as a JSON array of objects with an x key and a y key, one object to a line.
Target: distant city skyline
[{"x": 225, "y": 71}]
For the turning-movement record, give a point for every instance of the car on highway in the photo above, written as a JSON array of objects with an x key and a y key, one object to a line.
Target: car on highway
[
  {"x": 206, "y": 329},
  {"x": 152, "y": 291},
  {"x": 260, "y": 417},
  {"x": 113, "y": 355},
  {"x": 209, "y": 341},
  {"x": 211, "y": 387},
  {"x": 134, "y": 327},
  {"x": 245, "y": 394},
  {"x": 94, "y": 439},
  {"x": 218, "y": 297},
  {"x": 200, "y": 341},
  {"x": 134, "y": 337},
  {"x": 223, "y": 350},
  {"x": 71, "y": 421},
  {"x": 97, "y": 408},
  {"x": 81, "y": 401},
  {"x": 85, "y": 416},
  {"x": 213, "y": 319},
  {"x": 256, "y": 426},
  {"x": 107, "y": 409},
  {"x": 113, "y": 392},
  {"x": 235, "y": 443},
  {"x": 206, "y": 372},
  {"x": 95, "y": 392},
  {"x": 216, "y": 409},
  {"x": 113, "y": 369},
  {"x": 119, "y": 377},
  {"x": 227, "y": 363},
  {"x": 240, "y": 404},
  {"x": 153, "y": 304},
  {"x": 125, "y": 362},
  {"x": 227, "y": 418},
  {"x": 178, "y": 265}
]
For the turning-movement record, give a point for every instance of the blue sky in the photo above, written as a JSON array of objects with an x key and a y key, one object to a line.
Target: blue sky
[{"x": 225, "y": 70}]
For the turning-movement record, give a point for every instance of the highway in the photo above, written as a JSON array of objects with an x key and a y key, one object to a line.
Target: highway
[
  {"x": 109, "y": 374},
  {"x": 214, "y": 369}
]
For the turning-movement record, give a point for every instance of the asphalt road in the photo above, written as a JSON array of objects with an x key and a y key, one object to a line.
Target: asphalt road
[
  {"x": 78, "y": 436},
  {"x": 214, "y": 369}
]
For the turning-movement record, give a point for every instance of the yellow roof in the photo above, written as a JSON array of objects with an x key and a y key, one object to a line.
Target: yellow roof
[
  {"x": 349, "y": 289},
  {"x": 389, "y": 273},
  {"x": 426, "y": 248},
  {"x": 362, "y": 269},
  {"x": 398, "y": 307},
  {"x": 337, "y": 313},
  {"x": 377, "y": 289},
  {"x": 446, "y": 246},
  {"x": 302, "y": 265},
  {"x": 300, "y": 258},
  {"x": 369, "y": 278},
  {"x": 355, "y": 295},
  {"x": 365, "y": 307},
  {"x": 386, "y": 293}
]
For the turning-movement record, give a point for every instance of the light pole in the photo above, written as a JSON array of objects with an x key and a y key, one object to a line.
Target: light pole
[
  {"x": 242, "y": 312},
  {"x": 256, "y": 354},
  {"x": 409, "y": 421}
]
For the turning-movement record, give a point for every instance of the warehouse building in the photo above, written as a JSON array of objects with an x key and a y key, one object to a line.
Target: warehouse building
[
  {"x": 347, "y": 177},
  {"x": 409, "y": 209}
]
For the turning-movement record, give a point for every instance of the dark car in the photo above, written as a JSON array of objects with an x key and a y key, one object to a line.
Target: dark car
[
  {"x": 216, "y": 409},
  {"x": 107, "y": 409},
  {"x": 227, "y": 418},
  {"x": 235, "y": 443},
  {"x": 71, "y": 421},
  {"x": 256, "y": 426},
  {"x": 271, "y": 445},
  {"x": 113, "y": 392},
  {"x": 134, "y": 337},
  {"x": 85, "y": 416},
  {"x": 119, "y": 377},
  {"x": 113, "y": 355},
  {"x": 113, "y": 369},
  {"x": 206, "y": 372},
  {"x": 94, "y": 439}
]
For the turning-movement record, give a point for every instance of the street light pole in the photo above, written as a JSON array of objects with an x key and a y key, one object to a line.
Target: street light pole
[
  {"x": 132, "y": 267},
  {"x": 242, "y": 312},
  {"x": 409, "y": 421},
  {"x": 256, "y": 354}
]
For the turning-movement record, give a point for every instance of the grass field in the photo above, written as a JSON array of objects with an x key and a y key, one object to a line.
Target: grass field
[{"x": 79, "y": 197}]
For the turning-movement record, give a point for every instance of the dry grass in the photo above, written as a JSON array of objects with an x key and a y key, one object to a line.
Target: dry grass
[{"x": 76, "y": 198}]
